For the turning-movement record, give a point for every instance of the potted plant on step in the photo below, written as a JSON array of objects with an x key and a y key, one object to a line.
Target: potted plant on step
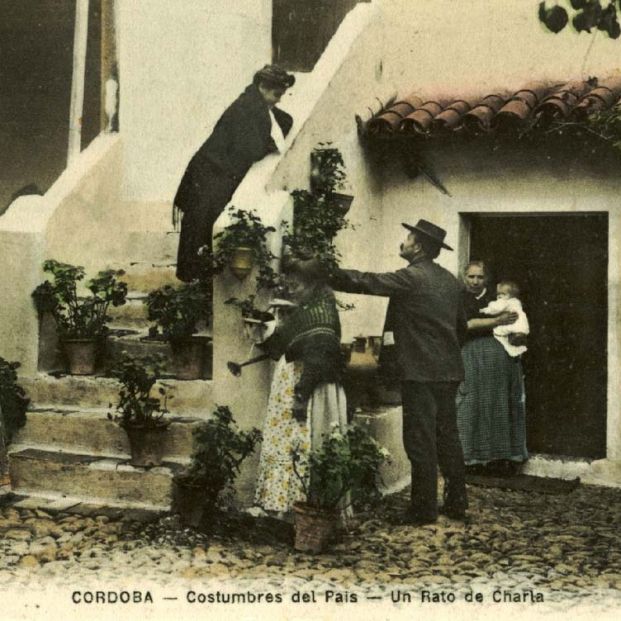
[
  {"x": 13, "y": 406},
  {"x": 80, "y": 319},
  {"x": 344, "y": 468},
  {"x": 177, "y": 313},
  {"x": 219, "y": 450},
  {"x": 242, "y": 245},
  {"x": 140, "y": 409},
  {"x": 328, "y": 175}
]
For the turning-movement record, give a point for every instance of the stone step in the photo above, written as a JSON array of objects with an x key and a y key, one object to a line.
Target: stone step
[
  {"x": 99, "y": 479},
  {"x": 91, "y": 432},
  {"x": 193, "y": 398},
  {"x": 140, "y": 346}
]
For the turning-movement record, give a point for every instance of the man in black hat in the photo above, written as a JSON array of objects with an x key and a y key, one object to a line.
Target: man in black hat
[
  {"x": 250, "y": 128},
  {"x": 427, "y": 316}
]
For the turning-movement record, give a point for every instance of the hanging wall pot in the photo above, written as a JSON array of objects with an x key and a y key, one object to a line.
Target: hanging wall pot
[{"x": 242, "y": 262}]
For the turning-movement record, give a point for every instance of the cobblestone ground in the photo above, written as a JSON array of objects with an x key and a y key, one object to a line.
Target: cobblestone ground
[{"x": 565, "y": 547}]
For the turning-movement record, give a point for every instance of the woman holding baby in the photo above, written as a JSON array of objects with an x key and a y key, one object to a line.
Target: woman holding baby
[{"x": 490, "y": 400}]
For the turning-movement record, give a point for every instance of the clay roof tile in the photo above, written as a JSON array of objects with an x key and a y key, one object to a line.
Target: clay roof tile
[
  {"x": 602, "y": 97},
  {"x": 388, "y": 120},
  {"x": 561, "y": 102},
  {"x": 479, "y": 119},
  {"x": 537, "y": 103},
  {"x": 451, "y": 117},
  {"x": 421, "y": 119}
]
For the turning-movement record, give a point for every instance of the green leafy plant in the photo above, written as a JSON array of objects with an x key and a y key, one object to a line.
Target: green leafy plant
[
  {"x": 315, "y": 226},
  {"x": 345, "y": 463},
  {"x": 327, "y": 169},
  {"x": 13, "y": 400},
  {"x": 137, "y": 405},
  {"x": 219, "y": 450},
  {"x": 79, "y": 316},
  {"x": 248, "y": 309},
  {"x": 178, "y": 310},
  {"x": 245, "y": 231}
]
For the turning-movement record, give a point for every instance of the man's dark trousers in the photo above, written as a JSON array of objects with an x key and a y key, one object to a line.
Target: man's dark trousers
[{"x": 430, "y": 437}]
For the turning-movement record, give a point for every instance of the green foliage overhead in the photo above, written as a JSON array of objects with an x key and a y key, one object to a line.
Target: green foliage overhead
[
  {"x": 79, "y": 316},
  {"x": 177, "y": 310},
  {"x": 13, "y": 400},
  {"x": 138, "y": 406},
  {"x": 585, "y": 15},
  {"x": 316, "y": 224},
  {"x": 219, "y": 450},
  {"x": 327, "y": 169}
]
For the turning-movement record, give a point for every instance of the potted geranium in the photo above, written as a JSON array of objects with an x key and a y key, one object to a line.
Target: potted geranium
[
  {"x": 242, "y": 245},
  {"x": 80, "y": 319},
  {"x": 345, "y": 466},
  {"x": 219, "y": 450},
  {"x": 140, "y": 409},
  {"x": 177, "y": 313},
  {"x": 328, "y": 176}
]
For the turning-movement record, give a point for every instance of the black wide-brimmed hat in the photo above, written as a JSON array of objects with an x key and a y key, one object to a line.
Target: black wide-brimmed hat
[
  {"x": 430, "y": 230},
  {"x": 275, "y": 75}
]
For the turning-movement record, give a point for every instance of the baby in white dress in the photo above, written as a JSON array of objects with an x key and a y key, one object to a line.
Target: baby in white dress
[{"x": 507, "y": 301}]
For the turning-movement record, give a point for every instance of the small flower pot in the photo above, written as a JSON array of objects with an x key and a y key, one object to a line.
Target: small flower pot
[
  {"x": 189, "y": 357},
  {"x": 314, "y": 528},
  {"x": 340, "y": 202},
  {"x": 81, "y": 355},
  {"x": 146, "y": 445},
  {"x": 242, "y": 262}
]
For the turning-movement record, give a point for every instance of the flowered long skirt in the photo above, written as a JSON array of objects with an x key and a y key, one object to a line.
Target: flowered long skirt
[
  {"x": 278, "y": 485},
  {"x": 491, "y": 404}
]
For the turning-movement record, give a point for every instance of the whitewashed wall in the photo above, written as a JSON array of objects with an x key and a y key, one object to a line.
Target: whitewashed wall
[
  {"x": 181, "y": 63},
  {"x": 472, "y": 45}
]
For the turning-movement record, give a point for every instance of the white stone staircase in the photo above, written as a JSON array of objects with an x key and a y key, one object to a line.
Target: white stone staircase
[{"x": 69, "y": 449}]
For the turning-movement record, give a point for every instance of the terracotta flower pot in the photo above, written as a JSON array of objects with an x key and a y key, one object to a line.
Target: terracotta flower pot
[
  {"x": 314, "y": 528},
  {"x": 146, "y": 445},
  {"x": 82, "y": 355},
  {"x": 242, "y": 262},
  {"x": 189, "y": 357}
]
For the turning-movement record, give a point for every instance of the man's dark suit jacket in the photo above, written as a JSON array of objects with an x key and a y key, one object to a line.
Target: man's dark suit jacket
[{"x": 426, "y": 313}]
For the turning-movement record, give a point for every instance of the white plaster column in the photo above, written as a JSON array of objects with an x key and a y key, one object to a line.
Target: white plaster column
[{"x": 77, "y": 81}]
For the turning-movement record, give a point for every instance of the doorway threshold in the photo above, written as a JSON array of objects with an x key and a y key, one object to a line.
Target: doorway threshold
[{"x": 605, "y": 472}]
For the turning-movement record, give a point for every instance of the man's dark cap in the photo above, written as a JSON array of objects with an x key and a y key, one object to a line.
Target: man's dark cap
[
  {"x": 274, "y": 75},
  {"x": 429, "y": 230}
]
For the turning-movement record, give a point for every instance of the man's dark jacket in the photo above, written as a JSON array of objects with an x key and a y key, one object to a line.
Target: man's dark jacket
[
  {"x": 241, "y": 137},
  {"x": 426, "y": 313}
]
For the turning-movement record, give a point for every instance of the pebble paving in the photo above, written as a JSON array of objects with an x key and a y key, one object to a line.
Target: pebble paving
[{"x": 566, "y": 547}]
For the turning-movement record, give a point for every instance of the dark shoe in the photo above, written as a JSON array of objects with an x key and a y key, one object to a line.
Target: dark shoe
[{"x": 452, "y": 513}]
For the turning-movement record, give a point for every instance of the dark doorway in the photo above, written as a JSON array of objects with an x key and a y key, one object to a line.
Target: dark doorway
[
  {"x": 561, "y": 265},
  {"x": 36, "y": 63},
  {"x": 301, "y": 30}
]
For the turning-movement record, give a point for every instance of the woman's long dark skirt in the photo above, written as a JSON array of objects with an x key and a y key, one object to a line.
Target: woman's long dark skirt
[
  {"x": 205, "y": 201},
  {"x": 491, "y": 404}
]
